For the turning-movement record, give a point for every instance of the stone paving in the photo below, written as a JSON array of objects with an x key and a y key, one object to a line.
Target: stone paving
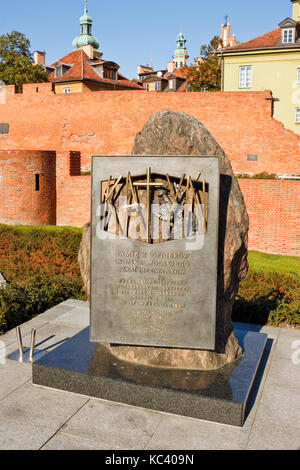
[{"x": 33, "y": 417}]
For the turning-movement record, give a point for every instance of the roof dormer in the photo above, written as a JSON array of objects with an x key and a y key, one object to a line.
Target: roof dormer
[
  {"x": 288, "y": 31},
  {"x": 61, "y": 68}
]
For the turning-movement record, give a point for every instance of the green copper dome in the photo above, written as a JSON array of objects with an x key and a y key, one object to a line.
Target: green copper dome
[
  {"x": 181, "y": 46},
  {"x": 85, "y": 38},
  {"x": 85, "y": 18}
]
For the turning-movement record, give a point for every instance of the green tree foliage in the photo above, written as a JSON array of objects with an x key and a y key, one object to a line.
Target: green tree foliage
[
  {"x": 206, "y": 74},
  {"x": 16, "y": 61}
]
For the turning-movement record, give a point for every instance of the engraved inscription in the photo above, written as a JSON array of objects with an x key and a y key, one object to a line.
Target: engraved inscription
[
  {"x": 148, "y": 297},
  {"x": 154, "y": 251}
]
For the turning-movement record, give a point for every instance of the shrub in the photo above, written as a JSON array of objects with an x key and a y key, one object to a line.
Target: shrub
[
  {"x": 41, "y": 266},
  {"x": 48, "y": 250},
  {"x": 268, "y": 298},
  {"x": 19, "y": 304}
]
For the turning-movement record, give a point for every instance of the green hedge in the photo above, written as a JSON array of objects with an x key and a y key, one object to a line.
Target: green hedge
[
  {"x": 19, "y": 304},
  {"x": 40, "y": 264},
  {"x": 41, "y": 267}
]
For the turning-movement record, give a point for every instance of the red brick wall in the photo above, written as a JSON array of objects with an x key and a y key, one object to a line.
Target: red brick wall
[
  {"x": 75, "y": 194},
  {"x": 274, "y": 212},
  {"x": 20, "y": 203},
  {"x": 107, "y": 122}
]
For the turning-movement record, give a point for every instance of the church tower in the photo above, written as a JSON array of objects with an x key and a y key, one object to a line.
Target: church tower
[
  {"x": 296, "y": 10},
  {"x": 86, "y": 40},
  {"x": 181, "y": 54},
  {"x": 227, "y": 39}
]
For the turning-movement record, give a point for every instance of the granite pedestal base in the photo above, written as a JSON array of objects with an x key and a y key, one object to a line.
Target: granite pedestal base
[{"x": 87, "y": 368}]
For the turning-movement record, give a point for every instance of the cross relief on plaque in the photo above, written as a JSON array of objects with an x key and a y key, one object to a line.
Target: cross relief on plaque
[{"x": 154, "y": 207}]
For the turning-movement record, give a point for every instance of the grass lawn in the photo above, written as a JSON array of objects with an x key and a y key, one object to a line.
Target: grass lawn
[{"x": 274, "y": 263}]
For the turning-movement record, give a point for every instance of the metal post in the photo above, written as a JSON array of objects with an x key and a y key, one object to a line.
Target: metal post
[
  {"x": 32, "y": 344},
  {"x": 20, "y": 343}
]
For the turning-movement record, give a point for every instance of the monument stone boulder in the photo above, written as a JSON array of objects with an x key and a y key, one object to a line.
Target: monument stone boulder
[{"x": 173, "y": 133}]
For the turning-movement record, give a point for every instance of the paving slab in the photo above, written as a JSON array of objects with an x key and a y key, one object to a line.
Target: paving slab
[
  {"x": 286, "y": 372},
  {"x": 74, "y": 302},
  {"x": 288, "y": 344},
  {"x": 20, "y": 436},
  {"x": 55, "y": 312},
  {"x": 272, "y": 437},
  {"x": 279, "y": 405},
  {"x": 63, "y": 441},
  {"x": 75, "y": 317},
  {"x": 12, "y": 376},
  {"x": 40, "y": 407},
  {"x": 32, "y": 417},
  {"x": 176, "y": 432},
  {"x": 113, "y": 424}
]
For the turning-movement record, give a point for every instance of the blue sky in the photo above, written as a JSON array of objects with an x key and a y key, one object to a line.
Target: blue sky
[{"x": 130, "y": 31}]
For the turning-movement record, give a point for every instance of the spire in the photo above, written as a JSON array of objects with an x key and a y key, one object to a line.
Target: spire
[
  {"x": 181, "y": 54},
  {"x": 85, "y": 38}
]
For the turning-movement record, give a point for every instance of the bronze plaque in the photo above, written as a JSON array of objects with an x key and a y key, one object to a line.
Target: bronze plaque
[{"x": 154, "y": 250}]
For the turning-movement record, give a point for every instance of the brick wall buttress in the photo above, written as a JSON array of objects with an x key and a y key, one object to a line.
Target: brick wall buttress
[{"x": 27, "y": 187}]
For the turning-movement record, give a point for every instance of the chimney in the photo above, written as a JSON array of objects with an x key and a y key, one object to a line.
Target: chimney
[
  {"x": 39, "y": 57},
  {"x": 89, "y": 50},
  {"x": 171, "y": 67}
]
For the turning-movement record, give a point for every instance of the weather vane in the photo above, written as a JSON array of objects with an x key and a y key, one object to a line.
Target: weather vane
[{"x": 226, "y": 19}]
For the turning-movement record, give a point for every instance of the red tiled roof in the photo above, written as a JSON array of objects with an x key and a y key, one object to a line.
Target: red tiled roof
[
  {"x": 81, "y": 70},
  {"x": 266, "y": 40},
  {"x": 177, "y": 72}
]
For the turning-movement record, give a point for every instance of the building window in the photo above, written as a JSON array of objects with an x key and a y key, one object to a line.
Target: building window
[
  {"x": 288, "y": 35},
  {"x": 67, "y": 90},
  {"x": 157, "y": 86},
  {"x": 298, "y": 75},
  {"x": 246, "y": 76},
  {"x": 58, "y": 71},
  {"x": 297, "y": 120},
  {"x": 172, "y": 84},
  {"x": 37, "y": 182},
  {"x": 75, "y": 163},
  {"x": 146, "y": 85}
]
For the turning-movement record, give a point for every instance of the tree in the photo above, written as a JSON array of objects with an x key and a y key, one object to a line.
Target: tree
[
  {"x": 16, "y": 61},
  {"x": 206, "y": 74}
]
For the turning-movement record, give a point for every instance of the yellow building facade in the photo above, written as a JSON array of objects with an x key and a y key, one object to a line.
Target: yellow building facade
[{"x": 269, "y": 62}]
